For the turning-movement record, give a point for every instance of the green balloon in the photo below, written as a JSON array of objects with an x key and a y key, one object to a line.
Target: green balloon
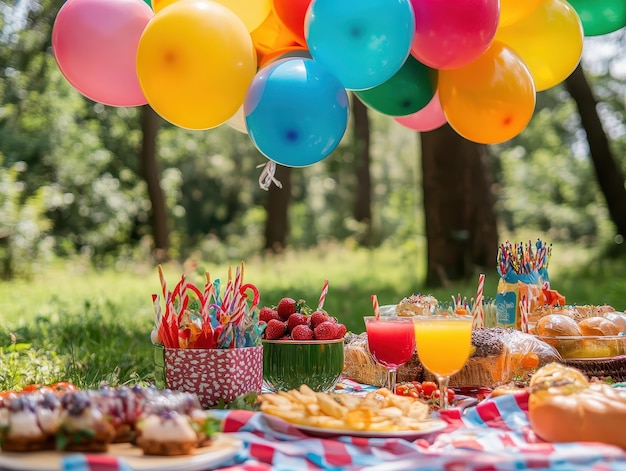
[
  {"x": 600, "y": 16},
  {"x": 407, "y": 92},
  {"x": 148, "y": 2}
]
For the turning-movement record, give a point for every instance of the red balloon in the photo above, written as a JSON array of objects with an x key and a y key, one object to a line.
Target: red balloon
[
  {"x": 452, "y": 33},
  {"x": 291, "y": 13}
]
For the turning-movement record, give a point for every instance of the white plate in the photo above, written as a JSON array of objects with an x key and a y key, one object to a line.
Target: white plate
[
  {"x": 430, "y": 426},
  {"x": 221, "y": 449}
]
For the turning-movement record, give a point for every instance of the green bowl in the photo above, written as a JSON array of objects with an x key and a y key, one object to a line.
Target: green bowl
[{"x": 288, "y": 364}]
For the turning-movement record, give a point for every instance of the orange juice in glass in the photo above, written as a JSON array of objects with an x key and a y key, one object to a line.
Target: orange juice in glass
[{"x": 443, "y": 346}]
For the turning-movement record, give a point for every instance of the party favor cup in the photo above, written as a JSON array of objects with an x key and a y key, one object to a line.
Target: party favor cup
[
  {"x": 288, "y": 364},
  {"x": 214, "y": 374}
]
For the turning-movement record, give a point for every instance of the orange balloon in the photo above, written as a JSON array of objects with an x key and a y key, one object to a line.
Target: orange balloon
[
  {"x": 514, "y": 10},
  {"x": 549, "y": 40},
  {"x": 490, "y": 100},
  {"x": 271, "y": 36}
]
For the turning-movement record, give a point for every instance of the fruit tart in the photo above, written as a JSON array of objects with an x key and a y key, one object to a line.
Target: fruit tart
[
  {"x": 83, "y": 425},
  {"x": 29, "y": 422}
]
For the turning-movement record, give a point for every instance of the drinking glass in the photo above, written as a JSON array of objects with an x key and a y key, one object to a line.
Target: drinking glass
[
  {"x": 443, "y": 341},
  {"x": 391, "y": 341}
]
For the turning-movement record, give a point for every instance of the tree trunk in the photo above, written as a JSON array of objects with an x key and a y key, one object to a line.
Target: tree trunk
[
  {"x": 150, "y": 123},
  {"x": 461, "y": 227},
  {"x": 363, "y": 201},
  {"x": 609, "y": 175},
  {"x": 277, "y": 208}
]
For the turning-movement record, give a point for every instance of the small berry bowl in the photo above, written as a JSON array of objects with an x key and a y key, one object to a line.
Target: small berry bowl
[{"x": 288, "y": 364}]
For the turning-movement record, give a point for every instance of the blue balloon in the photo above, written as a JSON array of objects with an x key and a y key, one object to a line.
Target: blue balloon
[
  {"x": 363, "y": 42},
  {"x": 296, "y": 112}
]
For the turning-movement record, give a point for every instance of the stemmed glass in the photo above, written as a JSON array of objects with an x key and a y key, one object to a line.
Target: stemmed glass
[
  {"x": 443, "y": 341},
  {"x": 391, "y": 341}
]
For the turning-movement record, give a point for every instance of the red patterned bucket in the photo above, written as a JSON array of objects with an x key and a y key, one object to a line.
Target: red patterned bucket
[{"x": 214, "y": 374}]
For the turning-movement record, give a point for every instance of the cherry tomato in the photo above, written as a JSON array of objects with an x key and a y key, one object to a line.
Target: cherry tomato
[
  {"x": 428, "y": 388},
  {"x": 31, "y": 387},
  {"x": 63, "y": 386},
  {"x": 418, "y": 386}
]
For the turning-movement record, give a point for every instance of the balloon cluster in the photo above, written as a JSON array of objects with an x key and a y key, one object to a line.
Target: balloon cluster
[{"x": 281, "y": 70}]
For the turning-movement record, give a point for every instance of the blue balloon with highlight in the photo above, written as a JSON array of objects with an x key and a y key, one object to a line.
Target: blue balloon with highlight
[
  {"x": 296, "y": 112},
  {"x": 363, "y": 42}
]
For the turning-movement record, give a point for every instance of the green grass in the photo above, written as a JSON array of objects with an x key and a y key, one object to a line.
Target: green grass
[{"x": 86, "y": 326}]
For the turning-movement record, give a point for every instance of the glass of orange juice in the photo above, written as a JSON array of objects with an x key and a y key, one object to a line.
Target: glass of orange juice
[{"x": 443, "y": 341}]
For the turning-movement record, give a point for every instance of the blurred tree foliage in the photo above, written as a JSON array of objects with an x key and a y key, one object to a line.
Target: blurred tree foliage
[{"x": 81, "y": 166}]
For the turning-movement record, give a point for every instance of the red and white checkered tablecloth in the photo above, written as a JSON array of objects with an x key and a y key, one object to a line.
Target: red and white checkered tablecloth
[{"x": 495, "y": 435}]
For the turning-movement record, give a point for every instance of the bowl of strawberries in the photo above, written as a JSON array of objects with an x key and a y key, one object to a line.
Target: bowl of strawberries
[{"x": 301, "y": 346}]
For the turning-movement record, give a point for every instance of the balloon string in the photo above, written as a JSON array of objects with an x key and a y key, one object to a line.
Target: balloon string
[{"x": 267, "y": 176}]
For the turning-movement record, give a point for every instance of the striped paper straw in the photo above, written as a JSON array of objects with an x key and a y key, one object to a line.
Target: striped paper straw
[
  {"x": 320, "y": 304},
  {"x": 479, "y": 315},
  {"x": 376, "y": 306}
]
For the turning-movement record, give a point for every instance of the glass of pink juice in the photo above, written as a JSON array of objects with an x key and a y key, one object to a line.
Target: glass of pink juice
[{"x": 391, "y": 341}]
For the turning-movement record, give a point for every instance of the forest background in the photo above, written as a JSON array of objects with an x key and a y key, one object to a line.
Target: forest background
[{"x": 93, "y": 197}]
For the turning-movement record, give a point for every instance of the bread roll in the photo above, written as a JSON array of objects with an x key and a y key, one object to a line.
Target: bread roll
[
  {"x": 564, "y": 407},
  {"x": 597, "y": 326},
  {"x": 557, "y": 325},
  {"x": 618, "y": 318}
]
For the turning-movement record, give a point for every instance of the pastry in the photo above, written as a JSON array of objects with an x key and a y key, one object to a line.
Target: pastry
[
  {"x": 83, "y": 426},
  {"x": 565, "y": 407},
  {"x": 416, "y": 305},
  {"x": 29, "y": 422},
  {"x": 167, "y": 432}
]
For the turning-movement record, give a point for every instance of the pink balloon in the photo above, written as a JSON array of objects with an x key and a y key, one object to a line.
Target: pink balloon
[
  {"x": 95, "y": 45},
  {"x": 428, "y": 118},
  {"x": 452, "y": 33}
]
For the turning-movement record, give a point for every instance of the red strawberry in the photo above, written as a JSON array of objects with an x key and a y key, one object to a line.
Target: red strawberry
[
  {"x": 267, "y": 314},
  {"x": 341, "y": 331},
  {"x": 318, "y": 317},
  {"x": 325, "y": 331},
  {"x": 286, "y": 307},
  {"x": 275, "y": 329},
  {"x": 296, "y": 319},
  {"x": 301, "y": 332}
]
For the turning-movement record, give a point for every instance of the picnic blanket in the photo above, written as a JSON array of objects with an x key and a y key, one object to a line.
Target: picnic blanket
[{"x": 495, "y": 435}]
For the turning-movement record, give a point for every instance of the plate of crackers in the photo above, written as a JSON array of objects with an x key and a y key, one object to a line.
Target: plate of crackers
[{"x": 378, "y": 414}]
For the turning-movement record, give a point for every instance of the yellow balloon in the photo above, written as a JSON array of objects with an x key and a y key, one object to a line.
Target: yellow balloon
[
  {"x": 195, "y": 61},
  {"x": 490, "y": 100},
  {"x": 512, "y": 11},
  {"x": 549, "y": 40},
  {"x": 251, "y": 12}
]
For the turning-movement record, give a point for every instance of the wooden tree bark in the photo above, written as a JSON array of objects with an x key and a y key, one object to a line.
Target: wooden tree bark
[
  {"x": 363, "y": 196},
  {"x": 277, "y": 210},
  {"x": 461, "y": 227},
  {"x": 150, "y": 123},
  {"x": 609, "y": 174}
]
